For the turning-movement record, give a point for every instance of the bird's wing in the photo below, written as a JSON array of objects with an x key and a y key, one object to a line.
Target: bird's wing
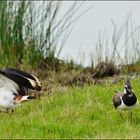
[
  {"x": 116, "y": 99},
  {"x": 22, "y": 78},
  {"x": 8, "y": 83}
]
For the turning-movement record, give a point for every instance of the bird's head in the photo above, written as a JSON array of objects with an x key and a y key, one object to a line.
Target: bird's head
[{"x": 128, "y": 87}]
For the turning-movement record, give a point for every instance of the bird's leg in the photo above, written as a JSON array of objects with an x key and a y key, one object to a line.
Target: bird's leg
[
  {"x": 10, "y": 114},
  {"x": 7, "y": 110},
  {"x": 131, "y": 116},
  {"x": 120, "y": 117},
  {"x": 12, "y": 111},
  {"x": 120, "y": 113}
]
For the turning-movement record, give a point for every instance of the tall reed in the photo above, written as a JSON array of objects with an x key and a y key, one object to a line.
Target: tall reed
[{"x": 33, "y": 31}]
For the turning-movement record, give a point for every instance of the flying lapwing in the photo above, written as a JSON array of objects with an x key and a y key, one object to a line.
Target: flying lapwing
[
  {"x": 14, "y": 85},
  {"x": 126, "y": 100}
]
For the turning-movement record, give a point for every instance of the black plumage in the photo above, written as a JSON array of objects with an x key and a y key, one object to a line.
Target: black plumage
[
  {"x": 129, "y": 99},
  {"x": 22, "y": 78}
]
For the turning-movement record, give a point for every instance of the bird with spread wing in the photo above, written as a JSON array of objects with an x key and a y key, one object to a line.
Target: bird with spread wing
[{"x": 14, "y": 85}]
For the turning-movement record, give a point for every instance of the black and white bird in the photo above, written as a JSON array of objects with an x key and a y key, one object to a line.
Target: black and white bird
[
  {"x": 126, "y": 100},
  {"x": 14, "y": 85}
]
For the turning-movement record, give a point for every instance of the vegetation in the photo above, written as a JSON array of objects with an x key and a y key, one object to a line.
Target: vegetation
[
  {"x": 121, "y": 50},
  {"x": 32, "y": 38},
  {"x": 72, "y": 113},
  {"x": 73, "y": 103},
  {"x": 31, "y": 34}
]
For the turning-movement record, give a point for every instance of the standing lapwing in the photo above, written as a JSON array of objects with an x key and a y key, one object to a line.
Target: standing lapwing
[
  {"x": 126, "y": 100},
  {"x": 14, "y": 85}
]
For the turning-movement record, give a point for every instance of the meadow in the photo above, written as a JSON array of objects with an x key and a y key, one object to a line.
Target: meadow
[
  {"x": 75, "y": 112},
  {"x": 32, "y": 39}
]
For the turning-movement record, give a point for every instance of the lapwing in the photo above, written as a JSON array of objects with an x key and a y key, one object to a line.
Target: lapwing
[
  {"x": 14, "y": 86},
  {"x": 126, "y": 100}
]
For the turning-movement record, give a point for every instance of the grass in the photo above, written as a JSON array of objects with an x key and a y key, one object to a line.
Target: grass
[
  {"x": 73, "y": 113},
  {"x": 78, "y": 112},
  {"x": 122, "y": 48},
  {"x": 31, "y": 32}
]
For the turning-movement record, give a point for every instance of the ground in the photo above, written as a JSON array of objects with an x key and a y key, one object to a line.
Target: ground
[{"x": 73, "y": 112}]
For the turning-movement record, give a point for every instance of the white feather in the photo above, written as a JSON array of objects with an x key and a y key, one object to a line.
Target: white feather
[
  {"x": 7, "y": 88},
  {"x": 7, "y": 98},
  {"x": 8, "y": 83}
]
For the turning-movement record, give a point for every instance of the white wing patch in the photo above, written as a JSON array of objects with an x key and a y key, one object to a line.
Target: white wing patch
[{"x": 37, "y": 80}]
